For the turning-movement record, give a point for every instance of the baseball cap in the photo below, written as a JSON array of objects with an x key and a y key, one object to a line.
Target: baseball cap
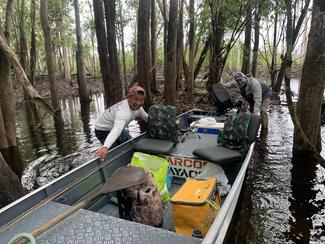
[
  {"x": 239, "y": 76},
  {"x": 136, "y": 90}
]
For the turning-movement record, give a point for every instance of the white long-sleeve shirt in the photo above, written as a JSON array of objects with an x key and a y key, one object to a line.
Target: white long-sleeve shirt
[{"x": 116, "y": 118}]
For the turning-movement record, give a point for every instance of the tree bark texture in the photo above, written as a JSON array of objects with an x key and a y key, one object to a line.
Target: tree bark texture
[
  {"x": 83, "y": 91},
  {"x": 50, "y": 60},
  {"x": 312, "y": 82},
  {"x": 62, "y": 29},
  {"x": 153, "y": 46},
  {"x": 22, "y": 37},
  {"x": 123, "y": 48},
  {"x": 115, "y": 85},
  {"x": 298, "y": 128},
  {"x": 102, "y": 46},
  {"x": 7, "y": 97},
  {"x": 7, "y": 105},
  {"x": 32, "y": 54},
  {"x": 170, "y": 78},
  {"x": 191, "y": 54},
  {"x": 257, "y": 19},
  {"x": 10, "y": 187},
  {"x": 247, "y": 42},
  {"x": 216, "y": 63},
  {"x": 203, "y": 55},
  {"x": 180, "y": 46},
  {"x": 143, "y": 53},
  {"x": 281, "y": 74}
]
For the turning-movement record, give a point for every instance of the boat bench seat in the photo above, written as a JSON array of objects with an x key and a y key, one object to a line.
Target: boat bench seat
[
  {"x": 162, "y": 131},
  {"x": 224, "y": 155},
  {"x": 154, "y": 146}
]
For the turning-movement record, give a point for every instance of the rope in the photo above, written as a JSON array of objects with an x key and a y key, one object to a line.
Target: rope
[{"x": 29, "y": 238}]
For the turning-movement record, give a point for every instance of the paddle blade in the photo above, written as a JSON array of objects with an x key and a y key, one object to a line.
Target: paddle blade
[{"x": 122, "y": 178}]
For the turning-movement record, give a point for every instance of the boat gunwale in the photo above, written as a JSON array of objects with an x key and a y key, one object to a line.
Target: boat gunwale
[
  {"x": 215, "y": 229},
  {"x": 48, "y": 196}
]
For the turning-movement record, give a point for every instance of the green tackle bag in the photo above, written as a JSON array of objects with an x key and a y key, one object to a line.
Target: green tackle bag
[{"x": 158, "y": 167}]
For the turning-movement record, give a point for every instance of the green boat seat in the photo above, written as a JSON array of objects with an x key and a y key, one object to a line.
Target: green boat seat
[
  {"x": 162, "y": 131},
  {"x": 154, "y": 146},
  {"x": 224, "y": 155}
]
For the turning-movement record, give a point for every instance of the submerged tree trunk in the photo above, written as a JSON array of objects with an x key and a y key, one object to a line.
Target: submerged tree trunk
[
  {"x": 115, "y": 86},
  {"x": 83, "y": 90},
  {"x": 170, "y": 78},
  {"x": 7, "y": 96},
  {"x": 10, "y": 187},
  {"x": 307, "y": 145},
  {"x": 50, "y": 62},
  {"x": 143, "y": 54},
  {"x": 102, "y": 46},
  {"x": 312, "y": 82}
]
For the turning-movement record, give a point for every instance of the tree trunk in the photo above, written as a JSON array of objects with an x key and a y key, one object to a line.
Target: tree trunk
[
  {"x": 7, "y": 97},
  {"x": 123, "y": 48},
  {"x": 312, "y": 82},
  {"x": 256, "y": 39},
  {"x": 247, "y": 42},
  {"x": 32, "y": 62},
  {"x": 22, "y": 39},
  {"x": 83, "y": 91},
  {"x": 50, "y": 61},
  {"x": 274, "y": 46},
  {"x": 203, "y": 54},
  {"x": 281, "y": 74},
  {"x": 180, "y": 47},
  {"x": 170, "y": 78},
  {"x": 7, "y": 105},
  {"x": 153, "y": 40},
  {"x": 216, "y": 63},
  {"x": 10, "y": 187},
  {"x": 115, "y": 86},
  {"x": 191, "y": 35},
  {"x": 62, "y": 29},
  {"x": 143, "y": 54},
  {"x": 102, "y": 46},
  {"x": 165, "y": 18}
]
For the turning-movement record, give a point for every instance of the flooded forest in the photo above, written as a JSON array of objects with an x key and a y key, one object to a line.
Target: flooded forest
[{"x": 62, "y": 63}]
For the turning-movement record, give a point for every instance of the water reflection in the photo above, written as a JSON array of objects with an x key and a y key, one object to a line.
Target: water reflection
[{"x": 283, "y": 199}]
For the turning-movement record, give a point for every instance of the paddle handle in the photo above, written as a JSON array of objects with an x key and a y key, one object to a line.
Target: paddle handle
[{"x": 58, "y": 218}]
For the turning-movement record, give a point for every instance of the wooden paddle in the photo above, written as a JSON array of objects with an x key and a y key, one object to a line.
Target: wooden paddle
[{"x": 122, "y": 178}]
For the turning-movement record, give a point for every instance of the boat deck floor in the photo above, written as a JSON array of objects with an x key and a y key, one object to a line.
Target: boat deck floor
[{"x": 90, "y": 227}]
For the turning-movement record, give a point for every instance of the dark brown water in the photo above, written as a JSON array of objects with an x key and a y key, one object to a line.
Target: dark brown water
[{"x": 283, "y": 200}]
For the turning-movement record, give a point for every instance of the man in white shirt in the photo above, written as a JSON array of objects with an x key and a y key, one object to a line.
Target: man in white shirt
[{"x": 110, "y": 126}]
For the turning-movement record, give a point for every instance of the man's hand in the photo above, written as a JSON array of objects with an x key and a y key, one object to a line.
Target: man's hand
[{"x": 102, "y": 152}]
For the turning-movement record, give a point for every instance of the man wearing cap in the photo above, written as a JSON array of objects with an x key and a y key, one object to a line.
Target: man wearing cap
[
  {"x": 110, "y": 126},
  {"x": 256, "y": 92}
]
